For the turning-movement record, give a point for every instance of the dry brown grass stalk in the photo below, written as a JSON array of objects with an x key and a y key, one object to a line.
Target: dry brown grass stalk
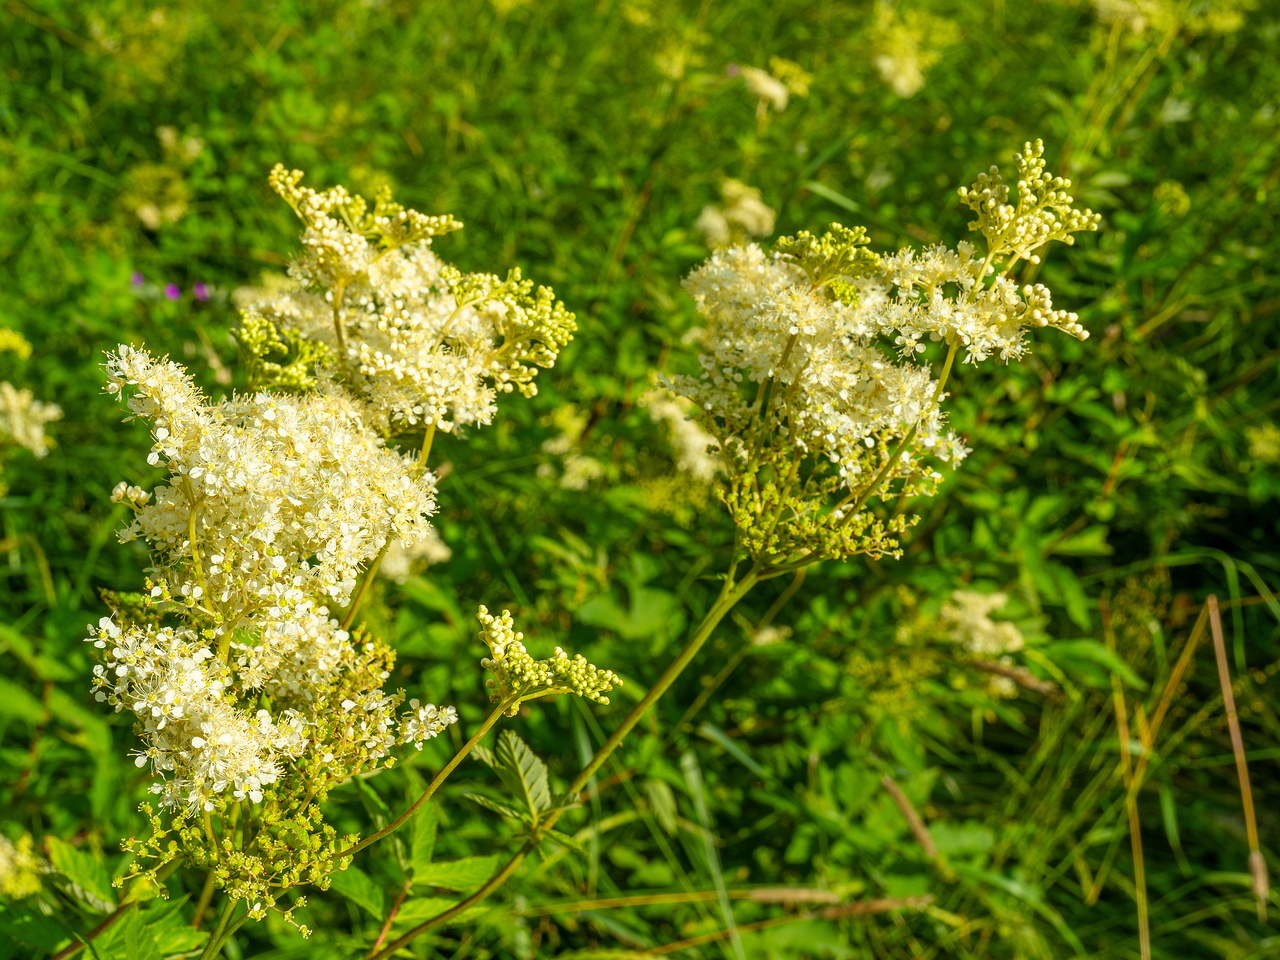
[{"x": 1257, "y": 865}]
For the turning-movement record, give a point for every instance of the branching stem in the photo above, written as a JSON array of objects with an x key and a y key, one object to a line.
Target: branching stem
[
  {"x": 435, "y": 784},
  {"x": 731, "y": 593}
]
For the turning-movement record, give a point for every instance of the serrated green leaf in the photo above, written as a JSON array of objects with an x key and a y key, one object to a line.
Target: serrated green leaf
[
  {"x": 136, "y": 941},
  {"x": 523, "y": 773},
  {"x": 462, "y": 875},
  {"x": 83, "y": 871},
  {"x": 497, "y": 807},
  {"x": 354, "y": 884},
  {"x": 422, "y": 837},
  {"x": 169, "y": 929},
  {"x": 484, "y": 755}
]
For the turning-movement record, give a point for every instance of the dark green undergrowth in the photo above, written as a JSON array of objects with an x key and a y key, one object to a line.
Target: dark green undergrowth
[{"x": 1113, "y": 486}]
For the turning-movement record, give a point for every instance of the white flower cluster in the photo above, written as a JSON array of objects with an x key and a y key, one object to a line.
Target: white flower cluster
[
  {"x": 967, "y": 620},
  {"x": 694, "y": 447},
  {"x": 190, "y": 728},
  {"x": 940, "y": 295},
  {"x": 425, "y": 721},
  {"x": 23, "y": 418},
  {"x": 741, "y": 214},
  {"x": 272, "y": 498},
  {"x": 839, "y": 396},
  {"x": 423, "y": 343},
  {"x": 767, "y": 87},
  {"x": 401, "y": 562},
  {"x": 906, "y": 45},
  {"x": 273, "y": 506}
]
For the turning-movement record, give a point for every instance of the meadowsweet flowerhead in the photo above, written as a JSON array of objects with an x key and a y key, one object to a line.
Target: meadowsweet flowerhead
[
  {"x": 906, "y": 45},
  {"x": 246, "y": 687},
  {"x": 815, "y": 381},
  {"x": 272, "y": 499},
  {"x": 420, "y": 342},
  {"x": 696, "y": 450},
  {"x": 401, "y": 562},
  {"x": 23, "y": 419},
  {"x": 742, "y": 214},
  {"x": 968, "y": 622},
  {"x": 767, "y": 87}
]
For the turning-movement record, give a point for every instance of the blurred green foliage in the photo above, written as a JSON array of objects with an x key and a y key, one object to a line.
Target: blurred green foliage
[{"x": 579, "y": 139}]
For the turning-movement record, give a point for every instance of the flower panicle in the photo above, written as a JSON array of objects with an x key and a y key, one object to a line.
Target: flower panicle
[{"x": 518, "y": 677}]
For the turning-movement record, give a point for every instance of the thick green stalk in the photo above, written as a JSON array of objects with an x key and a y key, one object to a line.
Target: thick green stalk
[
  {"x": 728, "y": 598},
  {"x": 435, "y": 784},
  {"x": 220, "y": 931}
]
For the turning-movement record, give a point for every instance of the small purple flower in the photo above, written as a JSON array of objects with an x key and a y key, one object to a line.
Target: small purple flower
[
  {"x": 201, "y": 291},
  {"x": 171, "y": 291},
  {"x": 137, "y": 279}
]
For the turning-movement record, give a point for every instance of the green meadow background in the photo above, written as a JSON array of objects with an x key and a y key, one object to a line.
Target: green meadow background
[{"x": 1114, "y": 484}]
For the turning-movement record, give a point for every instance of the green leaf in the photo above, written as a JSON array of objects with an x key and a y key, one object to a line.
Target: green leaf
[
  {"x": 565, "y": 841},
  {"x": 961, "y": 838},
  {"x": 137, "y": 940},
  {"x": 374, "y": 804},
  {"x": 523, "y": 773},
  {"x": 422, "y": 842},
  {"x": 497, "y": 807},
  {"x": 1090, "y": 651},
  {"x": 354, "y": 884},
  {"x": 461, "y": 875},
  {"x": 169, "y": 929},
  {"x": 27, "y": 925},
  {"x": 17, "y": 702},
  {"x": 1089, "y": 542},
  {"x": 43, "y": 666},
  {"x": 421, "y": 909},
  {"x": 484, "y": 755},
  {"x": 84, "y": 871},
  {"x": 716, "y": 735}
]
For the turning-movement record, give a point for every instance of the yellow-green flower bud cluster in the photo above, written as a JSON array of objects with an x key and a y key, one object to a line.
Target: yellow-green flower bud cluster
[
  {"x": 1042, "y": 213},
  {"x": 518, "y": 677}
]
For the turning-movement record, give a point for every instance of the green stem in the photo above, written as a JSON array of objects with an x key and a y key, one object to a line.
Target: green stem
[
  {"x": 206, "y": 895},
  {"x": 220, "y": 931},
  {"x": 365, "y": 583},
  {"x": 729, "y": 597},
  {"x": 434, "y": 785},
  {"x": 736, "y": 659},
  {"x": 427, "y": 440}
]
